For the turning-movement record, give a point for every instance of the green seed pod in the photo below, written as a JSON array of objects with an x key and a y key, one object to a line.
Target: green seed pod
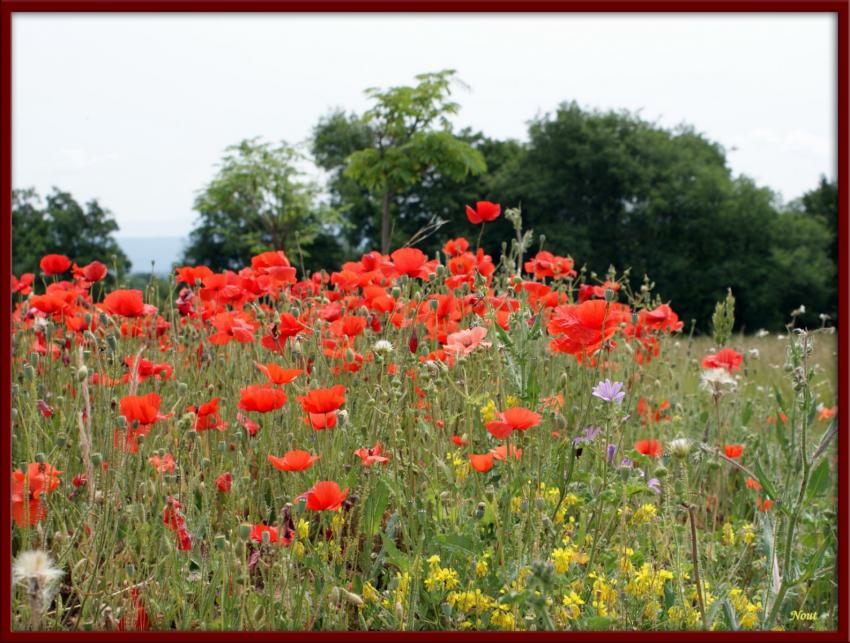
[
  {"x": 220, "y": 542},
  {"x": 29, "y": 372},
  {"x": 40, "y": 458},
  {"x": 130, "y": 568},
  {"x": 97, "y": 458},
  {"x": 205, "y": 463},
  {"x": 61, "y": 440},
  {"x": 182, "y": 387},
  {"x": 244, "y": 531},
  {"x": 660, "y": 472},
  {"x": 82, "y": 373}
]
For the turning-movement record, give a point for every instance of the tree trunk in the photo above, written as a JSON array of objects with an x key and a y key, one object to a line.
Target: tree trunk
[{"x": 385, "y": 222}]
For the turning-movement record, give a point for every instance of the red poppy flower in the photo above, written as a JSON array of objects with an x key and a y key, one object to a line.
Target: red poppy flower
[
  {"x": 501, "y": 452},
  {"x": 752, "y": 483},
  {"x": 826, "y": 413},
  {"x": 278, "y": 375},
  {"x": 127, "y": 303},
  {"x": 734, "y": 450},
  {"x": 258, "y": 531},
  {"x": 54, "y": 264},
  {"x": 484, "y": 211},
  {"x": 95, "y": 271},
  {"x": 143, "y": 409},
  {"x": 481, "y": 462},
  {"x": 296, "y": 460},
  {"x": 322, "y": 404},
  {"x": 581, "y": 329},
  {"x": 324, "y": 496},
  {"x": 261, "y": 398},
  {"x": 224, "y": 482},
  {"x": 459, "y": 441},
  {"x": 764, "y": 505},
  {"x": 662, "y": 318},
  {"x": 370, "y": 456},
  {"x": 410, "y": 261},
  {"x": 208, "y": 416},
  {"x": 165, "y": 464},
  {"x": 651, "y": 448},
  {"x": 456, "y": 247},
  {"x": 513, "y": 419},
  {"x": 728, "y": 358},
  {"x": 27, "y": 488}
]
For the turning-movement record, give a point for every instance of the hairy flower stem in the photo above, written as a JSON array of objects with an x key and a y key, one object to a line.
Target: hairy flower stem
[{"x": 695, "y": 558}]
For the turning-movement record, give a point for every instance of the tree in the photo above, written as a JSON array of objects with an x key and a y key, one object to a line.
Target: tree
[
  {"x": 61, "y": 225},
  {"x": 436, "y": 198},
  {"x": 409, "y": 134},
  {"x": 257, "y": 201},
  {"x": 612, "y": 188}
]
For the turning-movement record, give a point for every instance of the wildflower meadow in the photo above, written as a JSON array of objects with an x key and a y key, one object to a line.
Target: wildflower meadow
[{"x": 412, "y": 442}]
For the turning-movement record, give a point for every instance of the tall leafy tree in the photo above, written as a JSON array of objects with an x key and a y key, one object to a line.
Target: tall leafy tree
[
  {"x": 258, "y": 201},
  {"x": 410, "y": 135},
  {"x": 436, "y": 199},
  {"x": 60, "y": 224}
]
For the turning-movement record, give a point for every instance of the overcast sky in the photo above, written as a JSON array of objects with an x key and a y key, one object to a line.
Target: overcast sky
[{"x": 135, "y": 110}]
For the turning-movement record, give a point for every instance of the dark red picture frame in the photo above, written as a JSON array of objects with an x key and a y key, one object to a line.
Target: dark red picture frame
[{"x": 840, "y": 8}]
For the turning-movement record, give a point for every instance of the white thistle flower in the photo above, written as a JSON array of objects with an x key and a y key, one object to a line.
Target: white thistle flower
[
  {"x": 716, "y": 379},
  {"x": 35, "y": 571},
  {"x": 762, "y": 333},
  {"x": 680, "y": 447},
  {"x": 383, "y": 346}
]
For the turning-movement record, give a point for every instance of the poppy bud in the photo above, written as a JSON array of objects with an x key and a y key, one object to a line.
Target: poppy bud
[
  {"x": 112, "y": 343},
  {"x": 244, "y": 531},
  {"x": 181, "y": 387},
  {"x": 29, "y": 372},
  {"x": 61, "y": 440},
  {"x": 130, "y": 568},
  {"x": 104, "y": 318},
  {"x": 122, "y": 421}
]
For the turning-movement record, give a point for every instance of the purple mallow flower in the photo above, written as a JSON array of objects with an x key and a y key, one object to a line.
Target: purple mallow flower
[
  {"x": 609, "y": 391},
  {"x": 612, "y": 449},
  {"x": 589, "y": 434},
  {"x": 655, "y": 485}
]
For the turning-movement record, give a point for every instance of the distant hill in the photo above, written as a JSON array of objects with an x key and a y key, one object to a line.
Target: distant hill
[{"x": 163, "y": 251}]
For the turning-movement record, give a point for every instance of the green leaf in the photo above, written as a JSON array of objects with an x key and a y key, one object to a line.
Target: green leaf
[
  {"x": 598, "y": 623},
  {"x": 747, "y": 413},
  {"x": 458, "y": 544},
  {"x": 731, "y": 618},
  {"x": 768, "y": 486},
  {"x": 373, "y": 511},
  {"x": 819, "y": 480}
]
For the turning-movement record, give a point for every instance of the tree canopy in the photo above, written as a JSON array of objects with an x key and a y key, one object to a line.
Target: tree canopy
[
  {"x": 257, "y": 201},
  {"x": 59, "y": 224},
  {"x": 407, "y": 136}
]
